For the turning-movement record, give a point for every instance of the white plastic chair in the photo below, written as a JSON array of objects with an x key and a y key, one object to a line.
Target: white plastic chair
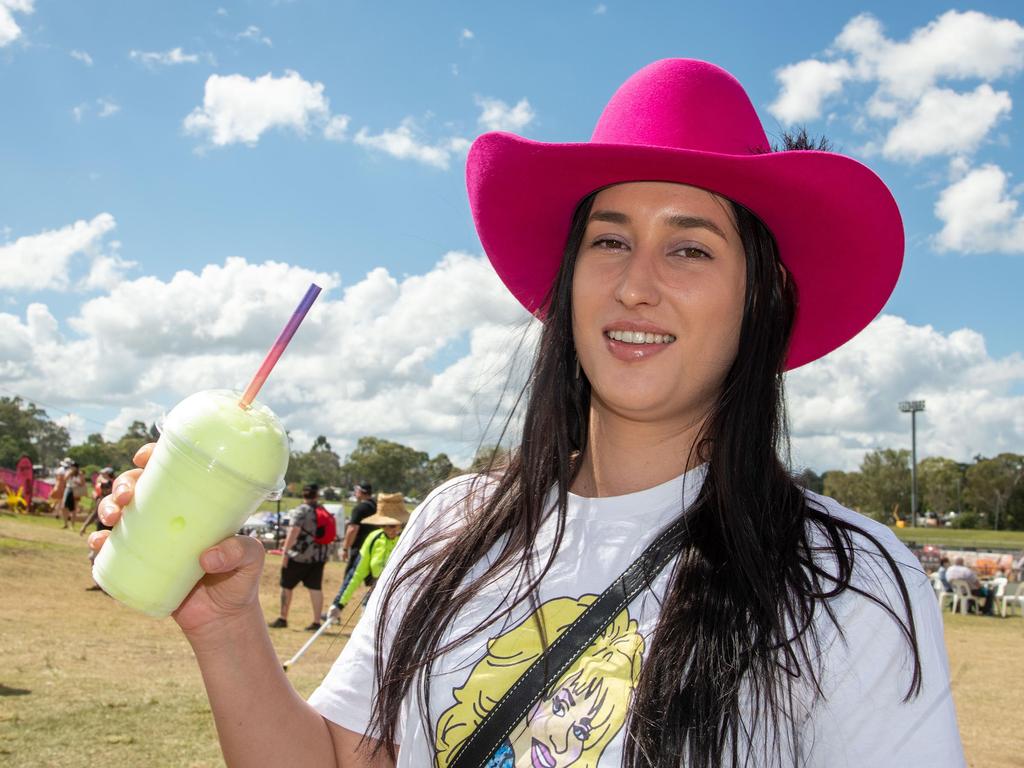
[
  {"x": 1016, "y": 600},
  {"x": 941, "y": 594},
  {"x": 962, "y": 597}
]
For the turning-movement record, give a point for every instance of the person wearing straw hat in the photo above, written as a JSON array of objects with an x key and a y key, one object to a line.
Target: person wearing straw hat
[
  {"x": 391, "y": 516},
  {"x": 642, "y": 582}
]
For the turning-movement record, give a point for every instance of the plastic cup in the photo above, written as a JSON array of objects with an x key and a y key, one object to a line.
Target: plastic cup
[{"x": 213, "y": 465}]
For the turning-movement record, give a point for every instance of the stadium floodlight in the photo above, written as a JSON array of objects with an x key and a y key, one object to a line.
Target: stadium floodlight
[{"x": 912, "y": 407}]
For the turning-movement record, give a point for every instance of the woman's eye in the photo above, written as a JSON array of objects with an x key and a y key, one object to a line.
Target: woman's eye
[
  {"x": 609, "y": 244},
  {"x": 692, "y": 252},
  {"x": 558, "y": 707},
  {"x": 581, "y": 732}
]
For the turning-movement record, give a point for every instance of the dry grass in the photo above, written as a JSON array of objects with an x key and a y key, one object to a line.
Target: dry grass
[{"x": 86, "y": 681}]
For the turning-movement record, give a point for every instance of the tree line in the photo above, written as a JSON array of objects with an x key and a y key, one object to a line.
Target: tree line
[
  {"x": 26, "y": 430},
  {"x": 987, "y": 492}
]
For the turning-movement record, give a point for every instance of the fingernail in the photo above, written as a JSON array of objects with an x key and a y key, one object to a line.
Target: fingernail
[
  {"x": 120, "y": 491},
  {"x": 213, "y": 560}
]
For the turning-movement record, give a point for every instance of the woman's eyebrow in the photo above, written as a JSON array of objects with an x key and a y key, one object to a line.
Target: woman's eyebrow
[
  {"x": 679, "y": 221},
  {"x": 695, "y": 222},
  {"x": 612, "y": 217}
]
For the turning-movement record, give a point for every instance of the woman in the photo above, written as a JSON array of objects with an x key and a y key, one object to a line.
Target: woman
[
  {"x": 679, "y": 266},
  {"x": 74, "y": 485}
]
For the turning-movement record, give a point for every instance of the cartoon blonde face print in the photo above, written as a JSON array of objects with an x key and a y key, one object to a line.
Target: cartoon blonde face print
[{"x": 576, "y": 719}]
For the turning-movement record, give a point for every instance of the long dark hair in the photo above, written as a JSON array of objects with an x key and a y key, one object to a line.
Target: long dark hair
[{"x": 737, "y": 622}]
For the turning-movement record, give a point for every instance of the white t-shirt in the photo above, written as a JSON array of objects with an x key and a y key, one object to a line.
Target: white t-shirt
[{"x": 861, "y": 721}]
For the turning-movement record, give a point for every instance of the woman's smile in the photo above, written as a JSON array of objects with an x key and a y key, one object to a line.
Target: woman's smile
[{"x": 627, "y": 342}]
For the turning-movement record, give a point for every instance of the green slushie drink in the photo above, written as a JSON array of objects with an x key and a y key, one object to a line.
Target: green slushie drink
[{"x": 214, "y": 463}]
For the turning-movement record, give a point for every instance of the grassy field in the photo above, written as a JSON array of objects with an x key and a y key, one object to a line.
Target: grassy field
[
  {"x": 86, "y": 681},
  {"x": 954, "y": 538}
]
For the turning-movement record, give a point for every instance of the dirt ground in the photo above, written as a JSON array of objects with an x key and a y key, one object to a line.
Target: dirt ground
[{"x": 85, "y": 681}]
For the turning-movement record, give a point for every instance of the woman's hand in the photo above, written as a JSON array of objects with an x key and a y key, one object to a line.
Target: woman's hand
[{"x": 231, "y": 584}]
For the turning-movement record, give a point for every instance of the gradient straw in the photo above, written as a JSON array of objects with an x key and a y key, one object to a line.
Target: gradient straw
[{"x": 282, "y": 341}]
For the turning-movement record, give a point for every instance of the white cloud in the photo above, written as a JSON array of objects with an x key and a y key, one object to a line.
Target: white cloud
[
  {"x": 43, "y": 261},
  {"x": 496, "y": 115},
  {"x": 805, "y": 86},
  {"x": 846, "y": 403},
  {"x": 600, "y": 9},
  {"x": 239, "y": 110},
  {"x": 222, "y": 11},
  {"x": 978, "y": 214},
  {"x": 107, "y": 270},
  {"x": 254, "y": 33},
  {"x": 946, "y": 122},
  {"x": 164, "y": 58},
  {"x": 466, "y": 34},
  {"x": 107, "y": 107},
  {"x": 82, "y": 56},
  {"x": 955, "y": 46},
  {"x": 406, "y": 143},
  {"x": 9, "y": 29},
  {"x": 147, "y": 412},
  {"x": 336, "y": 127},
  {"x": 103, "y": 107},
  {"x": 367, "y": 359}
]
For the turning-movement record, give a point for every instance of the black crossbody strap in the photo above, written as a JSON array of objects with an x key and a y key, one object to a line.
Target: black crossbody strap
[{"x": 568, "y": 647}]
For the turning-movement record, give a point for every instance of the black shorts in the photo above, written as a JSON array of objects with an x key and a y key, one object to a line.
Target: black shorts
[{"x": 311, "y": 575}]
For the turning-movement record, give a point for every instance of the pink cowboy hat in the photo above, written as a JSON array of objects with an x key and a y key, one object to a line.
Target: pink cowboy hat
[{"x": 837, "y": 226}]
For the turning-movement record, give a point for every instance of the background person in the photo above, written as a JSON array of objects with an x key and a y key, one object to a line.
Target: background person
[
  {"x": 961, "y": 572},
  {"x": 303, "y": 559},
  {"x": 74, "y": 487},
  {"x": 392, "y": 504},
  {"x": 941, "y": 573},
  {"x": 102, "y": 486},
  {"x": 59, "y": 484},
  {"x": 357, "y": 528},
  {"x": 391, "y": 516}
]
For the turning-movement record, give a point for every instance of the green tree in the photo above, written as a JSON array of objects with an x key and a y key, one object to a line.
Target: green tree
[
  {"x": 431, "y": 474},
  {"x": 488, "y": 455},
  {"x": 321, "y": 465},
  {"x": 990, "y": 484},
  {"x": 95, "y": 451},
  {"x": 886, "y": 475},
  {"x": 387, "y": 465},
  {"x": 937, "y": 479},
  {"x": 1014, "y": 516},
  {"x": 124, "y": 449},
  {"x": 26, "y": 429},
  {"x": 845, "y": 487},
  {"x": 811, "y": 480}
]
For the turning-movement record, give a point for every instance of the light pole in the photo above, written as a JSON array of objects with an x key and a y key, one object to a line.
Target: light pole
[{"x": 912, "y": 407}]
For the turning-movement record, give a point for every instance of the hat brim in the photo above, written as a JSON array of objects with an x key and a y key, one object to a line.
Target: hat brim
[
  {"x": 837, "y": 226},
  {"x": 380, "y": 519}
]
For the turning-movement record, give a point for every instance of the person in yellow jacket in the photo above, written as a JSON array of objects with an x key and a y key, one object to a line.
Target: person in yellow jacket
[{"x": 391, "y": 516}]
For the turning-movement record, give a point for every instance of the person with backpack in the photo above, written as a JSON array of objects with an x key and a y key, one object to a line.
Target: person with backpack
[{"x": 306, "y": 548}]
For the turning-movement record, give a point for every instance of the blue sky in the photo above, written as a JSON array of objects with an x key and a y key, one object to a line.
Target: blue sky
[{"x": 329, "y": 138}]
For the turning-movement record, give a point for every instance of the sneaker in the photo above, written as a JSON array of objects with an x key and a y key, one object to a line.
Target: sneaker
[
  {"x": 313, "y": 627},
  {"x": 278, "y": 623}
]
